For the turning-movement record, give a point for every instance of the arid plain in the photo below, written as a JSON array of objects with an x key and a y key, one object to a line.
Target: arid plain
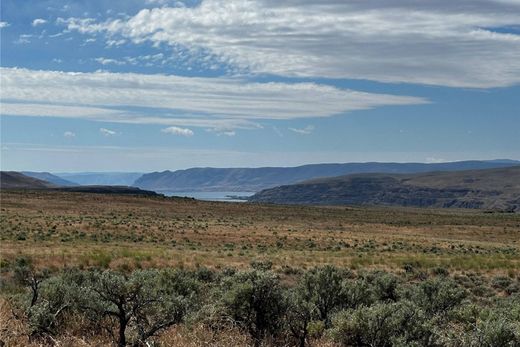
[{"x": 59, "y": 229}]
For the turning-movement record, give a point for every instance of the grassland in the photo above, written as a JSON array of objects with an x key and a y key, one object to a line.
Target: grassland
[{"x": 62, "y": 229}]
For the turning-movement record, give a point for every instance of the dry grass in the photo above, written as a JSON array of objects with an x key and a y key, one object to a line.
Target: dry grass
[
  {"x": 73, "y": 229},
  {"x": 14, "y": 333}
]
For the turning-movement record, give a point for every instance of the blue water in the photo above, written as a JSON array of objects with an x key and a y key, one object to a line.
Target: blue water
[{"x": 211, "y": 196}]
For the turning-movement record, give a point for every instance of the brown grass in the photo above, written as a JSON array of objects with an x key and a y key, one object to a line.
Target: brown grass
[{"x": 73, "y": 229}]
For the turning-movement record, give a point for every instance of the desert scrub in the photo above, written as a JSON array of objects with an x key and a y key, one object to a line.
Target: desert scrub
[{"x": 321, "y": 306}]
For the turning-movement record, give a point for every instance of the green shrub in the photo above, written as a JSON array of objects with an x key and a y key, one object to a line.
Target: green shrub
[
  {"x": 437, "y": 296},
  {"x": 255, "y": 301},
  {"x": 385, "y": 286},
  {"x": 56, "y": 296},
  {"x": 300, "y": 314},
  {"x": 145, "y": 302},
  {"x": 324, "y": 289},
  {"x": 383, "y": 325}
]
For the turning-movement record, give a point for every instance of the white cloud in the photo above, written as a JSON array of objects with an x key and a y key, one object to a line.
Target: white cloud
[
  {"x": 108, "y": 61},
  {"x": 62, "y": 111},
  {"x": 23, "y": 39},
  {"x": 69, "y": 134},
  {"x": 4, "y": 24},
  {"x": 305, "y": 131},
  {"x": 107, "y": 132},
  {"x": 178, "y": 131},
  {"x": 441, "y": 42},
  {"x": 184, "y": 101},
  {"x": 38, "y": 21},
  {"x": 163, "y": 2},
  {"x": 111, "y": 43},
  {"x": 228, "y": 133},
  {"x": 117, "y": 116},
  {"x": 222, "y": 131}
]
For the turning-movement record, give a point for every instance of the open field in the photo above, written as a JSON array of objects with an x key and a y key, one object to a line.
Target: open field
[
  {"x": 104, "y": 270},
  {"x": 58, "y": 229}
]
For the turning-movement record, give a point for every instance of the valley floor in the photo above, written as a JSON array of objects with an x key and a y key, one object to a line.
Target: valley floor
[{"x": 61, "y": 229}]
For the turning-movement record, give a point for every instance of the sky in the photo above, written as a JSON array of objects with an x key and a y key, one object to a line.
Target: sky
[{"x": 152, "y": 85}]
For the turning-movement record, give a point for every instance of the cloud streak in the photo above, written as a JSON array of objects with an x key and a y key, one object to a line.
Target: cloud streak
[
  {"x": 107, "y": 132},
  {"x": 441, "y": 42},
  {"x": 38, "y": 21},
  {"x": 178, "y": 131},
  {"x": 225, "y": 103},
  {"x": 305, "y": 131}
]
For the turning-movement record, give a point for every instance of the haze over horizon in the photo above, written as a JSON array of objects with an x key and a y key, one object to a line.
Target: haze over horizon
[{"x": 153, "y": 85}]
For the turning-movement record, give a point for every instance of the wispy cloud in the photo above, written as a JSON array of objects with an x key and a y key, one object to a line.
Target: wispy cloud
[
  {"x": 440, "y": 42},
  {"x": 220, "y": 131},
  {"x": 205, "y": 102},
  {"x": 178, "y": 131},
  {"x": 304, "y": 131},
  {"x": 38, "y": 21},
  {"x": 4, "y": 24},
  {"x": 69, "y": 134},
  {"x": 23, "y": 39},
  {"x": 108, "y": 61},
  {"x": 107, "y": 132}
]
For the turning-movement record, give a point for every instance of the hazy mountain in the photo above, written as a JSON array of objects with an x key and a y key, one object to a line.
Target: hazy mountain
[
  {"x": 46, "y": 176},
  {"x": 487, "y": 189},
  {"x": 16, "y": 180},
  {"x": 256, "y": 179},
  {"x": 101, "y": 178}
]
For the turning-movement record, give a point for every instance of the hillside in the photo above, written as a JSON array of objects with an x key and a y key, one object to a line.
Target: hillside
[
  {"x": 46, "y": 176},
  {"x": 101, "y": 178},
  {"x": 486, "y": 189},
  {"x": 120, "y": 190},
  {"x": 16, "y": 180},
  {"x": 256, "y": 179}
]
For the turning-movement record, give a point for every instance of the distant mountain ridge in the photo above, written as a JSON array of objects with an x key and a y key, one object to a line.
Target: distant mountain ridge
[
  {"x": 17, "y": 180},
  {"x": 257, "y": 179},
  {"x": 46, "y": 176},
  {"x": 101, "y": 178},
  {"x": 486, "y": 189}
]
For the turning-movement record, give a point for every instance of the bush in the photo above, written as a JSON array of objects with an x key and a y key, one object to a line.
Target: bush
[
  {"x": 299, "y": 315},
  {"x": 56, "y": 296},
  {"x": 385, "y": 286},
  {"x": 147, "y": 301},
  {"x": 255, "y": 301},
  {"x": 383, "y": 325},
  {"x": 497, "y": 331},
  {"x": 323, "y": 288},
  {"x": 376, "y": 309},
  {"x": 437, "y": 296}
]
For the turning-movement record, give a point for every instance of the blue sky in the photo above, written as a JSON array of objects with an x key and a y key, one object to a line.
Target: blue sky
[{"x": 147, "y": 85}]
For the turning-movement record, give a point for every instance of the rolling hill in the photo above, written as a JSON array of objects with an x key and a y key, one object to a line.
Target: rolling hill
[
  {"x": 101, "y": 178},
  {"x": 256, "y": 179},
  {"x": 120, "y": 190},
  {"x": 17, "y": 180},
  {"x": 487, "y": 189},
  {"x": 46, "y": 176}
]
